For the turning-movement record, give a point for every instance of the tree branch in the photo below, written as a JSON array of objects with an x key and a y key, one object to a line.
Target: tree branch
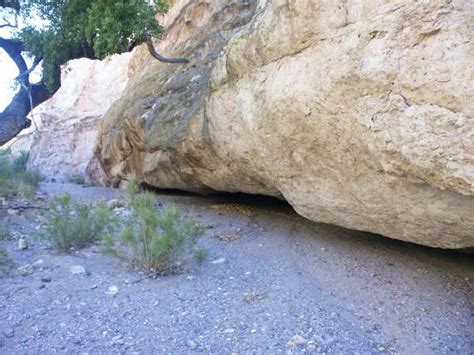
[
  {"x": 27, "y": 72},
  {"x": 8, "y": 23},
  {"x": 14, "y": 48},
  {"x": 156, "y": 55},
  {"x": 14, "y": 118},
  {"x": 12, "y": 4}
]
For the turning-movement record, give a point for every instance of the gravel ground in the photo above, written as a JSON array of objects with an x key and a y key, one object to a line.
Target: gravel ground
[{"x": 278, "y": 284}]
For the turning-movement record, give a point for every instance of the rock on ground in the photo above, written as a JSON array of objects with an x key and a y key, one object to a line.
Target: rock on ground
[{"x": 358, "y": 113}]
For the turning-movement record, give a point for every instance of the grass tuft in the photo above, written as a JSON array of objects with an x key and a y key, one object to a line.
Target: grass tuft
[
  {"x": 5, "y": 262},
  {"x": 15, "y": 180},
  {"x": 4, "y": 229},
  {"x": 200, "y": 255},
  {"x": 154, "y": 239},
  {"x": 72, "y": 225}
]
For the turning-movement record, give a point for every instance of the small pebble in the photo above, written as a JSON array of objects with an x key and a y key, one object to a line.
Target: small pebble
[
  {"x": 25, "y": 270},
  {"x": 296, "y": 340},
  {"x": 12, "y": 212},
  {"x": 114, "y": 203},
  {"x": 77, "y": 270},
  {"x": 113, "y": 290},
  {"x": 191, "y": 344},
  {"x": 38, "y": 263},
  {"x": 22, "y": 244},
  {"x": 218, "y": 261},
  {"x": 311, "y": 347}
]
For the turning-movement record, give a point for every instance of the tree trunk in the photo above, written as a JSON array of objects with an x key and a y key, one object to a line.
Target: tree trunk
[{"x": 13, "y": 119}]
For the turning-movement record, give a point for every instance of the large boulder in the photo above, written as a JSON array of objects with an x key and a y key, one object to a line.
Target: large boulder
[
  {"x": 358, "y": 113},
  {"x": 69, "y": 122}
]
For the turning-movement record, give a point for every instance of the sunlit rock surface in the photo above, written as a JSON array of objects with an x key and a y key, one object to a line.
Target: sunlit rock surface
[
  {"x": 69, "y": 121},
  {"x": 358, "y": 113}
]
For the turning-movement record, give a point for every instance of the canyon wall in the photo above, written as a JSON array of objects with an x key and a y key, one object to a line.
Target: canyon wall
[{"x": 69, "y": 122}]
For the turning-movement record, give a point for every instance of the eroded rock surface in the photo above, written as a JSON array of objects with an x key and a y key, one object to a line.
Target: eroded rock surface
[
  {"x": 359, "y": 113},
  {"x": 70, "y": 120}
]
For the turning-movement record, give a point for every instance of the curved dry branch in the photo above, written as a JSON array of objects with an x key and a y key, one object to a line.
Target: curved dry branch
[{"x": 156, "y": 55}]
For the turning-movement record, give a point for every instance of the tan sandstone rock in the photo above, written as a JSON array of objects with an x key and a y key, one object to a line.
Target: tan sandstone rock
[
  {"x": 358, "y": 113},
  {"x": 69, "y": 121}
]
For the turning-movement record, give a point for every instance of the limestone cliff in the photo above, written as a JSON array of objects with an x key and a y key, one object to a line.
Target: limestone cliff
[
  {"x": 358, "y": 113},
  {"x": 69, "y": 121}
]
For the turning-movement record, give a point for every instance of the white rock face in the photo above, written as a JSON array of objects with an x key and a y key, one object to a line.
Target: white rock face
[
  {"x": 70, "y": 120},
  {"x": 23, "y": 141},
  {"x": 359, "y": 113}
]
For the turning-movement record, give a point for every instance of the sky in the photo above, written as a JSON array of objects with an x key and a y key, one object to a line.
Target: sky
[{"x": 8, "y": 70}]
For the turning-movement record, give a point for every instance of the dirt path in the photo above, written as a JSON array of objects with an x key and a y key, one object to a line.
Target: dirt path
[{"x": 339, "y": 290}]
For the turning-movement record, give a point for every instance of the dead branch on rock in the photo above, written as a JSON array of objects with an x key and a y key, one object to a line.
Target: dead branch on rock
[{"x": 156, "y": 55}]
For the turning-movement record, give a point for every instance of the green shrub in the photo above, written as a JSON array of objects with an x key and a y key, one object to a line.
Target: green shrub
[
  {"x": 75, "y": 225},
  {"x": 4, "y": 229},
  {"x": 15, "y": 180},
  {"x": 133, "y": 187},
  {"x": 200, "y": 255},
  {"x": 19, "y": 162},
  {"x": 154, "y": 239},
  {"x": 5, "y": 262},
  {"x": 85, "y": 28}
]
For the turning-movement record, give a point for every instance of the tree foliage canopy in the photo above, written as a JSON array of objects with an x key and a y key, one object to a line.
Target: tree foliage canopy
[{"x": 87, "y": 28}]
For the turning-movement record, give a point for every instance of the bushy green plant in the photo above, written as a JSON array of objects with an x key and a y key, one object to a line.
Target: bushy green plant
[
  {"x": 15, "y": 180},
  {"x": 86, "y": 28},
  {"x": 154, "y": 239},
  {"x": 200, "y": 255},
  {"x": 5, "y": 262},
  {"x": 75, "y": 225},
  {"x": 19, "y": 162},
  {"x": 4, "y": 229}
]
